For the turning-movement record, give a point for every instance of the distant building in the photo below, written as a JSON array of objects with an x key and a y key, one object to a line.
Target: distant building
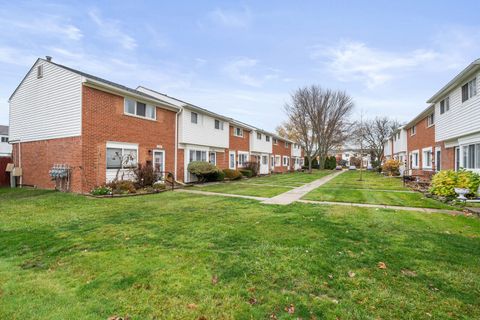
[{"x": 5, "y": 147}]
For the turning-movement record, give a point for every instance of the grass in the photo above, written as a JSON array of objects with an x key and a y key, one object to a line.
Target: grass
[
  {"x": 154, "y": 257},
  {"x": 373, "y": 189},
  {"x": 266, "y": 186}
]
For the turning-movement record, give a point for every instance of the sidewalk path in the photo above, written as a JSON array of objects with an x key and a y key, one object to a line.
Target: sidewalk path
[
  {"x": 207, "y": 193},
  {"x": 382, "y": 206},
  {"x": 297, "y": 193}
]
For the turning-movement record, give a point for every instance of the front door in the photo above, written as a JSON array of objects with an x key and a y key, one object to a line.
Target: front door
[
  {"x": 159, "y": 162},
  {"x": 264, "y": 164}
]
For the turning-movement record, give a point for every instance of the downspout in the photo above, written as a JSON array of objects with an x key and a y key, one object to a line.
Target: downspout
[{"x": 176, "y": 144}]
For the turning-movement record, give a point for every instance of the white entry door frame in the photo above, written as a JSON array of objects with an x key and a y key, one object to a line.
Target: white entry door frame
[{"x": 159, "y": 161}]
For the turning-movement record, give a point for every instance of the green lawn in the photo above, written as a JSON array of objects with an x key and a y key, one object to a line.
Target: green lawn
[
  {"x": 373, "y": 189},
  {"x": 184, "y": 256},
  {"x": 266, "y": 186}
]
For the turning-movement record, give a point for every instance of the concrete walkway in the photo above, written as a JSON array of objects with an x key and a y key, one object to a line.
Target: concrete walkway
[
  {"x": 207, "y": 193},
  {"x": 297, "y": 193},
  {"x": 381, "y": 206}
]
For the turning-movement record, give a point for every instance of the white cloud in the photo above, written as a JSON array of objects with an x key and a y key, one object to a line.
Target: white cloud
[
  {"x": 230, "y": 18},
  {"x": 242, "y": 70},
  {"x": 350, "y": 60},
  {"x": 110, "y": 29}
]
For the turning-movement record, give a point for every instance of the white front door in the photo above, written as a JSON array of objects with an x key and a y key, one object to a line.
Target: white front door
[
  {"x": 159, "y": 162},
  {"x": 264, "y": 164},
  {"x": 231, "y": 160}
]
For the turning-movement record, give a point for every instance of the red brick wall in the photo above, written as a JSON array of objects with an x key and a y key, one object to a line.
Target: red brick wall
[
  {"x": 281, "y": 150},
  {"x": 237, "y": 144},
  {"x": 222, "y": 160},
  {"x": 103, "y": 120},
  {"x": 4, "y": 176},
  {"x": 423, "y": 138},
  {"x": 447, "y": 157},
  {"x": 38, "y": 157}
]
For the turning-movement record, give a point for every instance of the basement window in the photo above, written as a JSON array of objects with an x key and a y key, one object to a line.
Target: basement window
[{"x": 139, "y": 109}]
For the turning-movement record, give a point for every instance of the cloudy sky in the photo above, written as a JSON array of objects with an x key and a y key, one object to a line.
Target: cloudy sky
[{"x": 243, "y": 59}]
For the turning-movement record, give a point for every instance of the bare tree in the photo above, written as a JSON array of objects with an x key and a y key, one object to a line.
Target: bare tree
[
  {"x": 328, "y": 117},
  {"x": 299, "y": 125},
  {"x": 374, "y": 132}
]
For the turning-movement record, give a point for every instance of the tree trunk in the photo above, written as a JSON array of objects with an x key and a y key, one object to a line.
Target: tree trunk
[{"x": 309, "y": 164}]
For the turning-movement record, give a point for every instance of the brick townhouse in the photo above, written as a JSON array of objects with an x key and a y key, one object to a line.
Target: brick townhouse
[
  {"x": 446, "y": 135},
  {"x": 59, "y": 115}
]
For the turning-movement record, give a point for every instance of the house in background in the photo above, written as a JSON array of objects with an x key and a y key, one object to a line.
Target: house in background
[
  {"x": 388, "y": 148},
  {"x": 399, "y": 145},
  {"x": 297, "y": 157},
  {"x": 457, "y": 116},
  {"x": 5, "y": 147},
  {"x": 261, "y": 149}
]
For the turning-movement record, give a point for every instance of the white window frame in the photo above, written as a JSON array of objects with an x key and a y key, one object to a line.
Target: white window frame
[
  {"x": 259, "y": 136},
  {"x": 267, "y": 138},
  {"x": 287, "y": 144},
  {"x": 438, "y": 160},
  {"x": 275, "y": 141},
  {"x": 425, "y": 164},
  {"x": 430, "y": 120},
  {"x": 238, "y": 132},
  {"x": 465, "y": 152},
  {"x": 210, "y": 153},
  {"x": 445, "y": 104},
  {"x": 242, "y": 159},
  {"x": 415, "y": 165},
  {"x": 40, "y": 71},
  {"x": 413, "y": 130},
  {"x": 136, "y": 102},
  {"x": 286, "y": 161},
  {"x": 471, "y": 89},
  {"x": 220, "y": 124},
  {"x": 193, "y": 115},
  {"x": 122, "y": 146}
]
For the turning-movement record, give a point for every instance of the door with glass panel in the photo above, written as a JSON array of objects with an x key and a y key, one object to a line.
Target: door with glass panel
[
  {"x": 159, "y": 163},
  {"x": 264, "y": 164}
]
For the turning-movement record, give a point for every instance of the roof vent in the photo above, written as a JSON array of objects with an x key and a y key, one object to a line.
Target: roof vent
[{"x": 49, "y": 58}]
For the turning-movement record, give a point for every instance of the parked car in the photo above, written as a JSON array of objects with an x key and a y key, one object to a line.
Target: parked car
[
  {"x": 352, "y": 168},
  {"x": 338, "y": 168}
]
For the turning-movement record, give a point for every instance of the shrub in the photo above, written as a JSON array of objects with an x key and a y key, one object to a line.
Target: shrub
[
  {"x": 101, "y": 191},
  {"x": 315, "y": 164},
  {"x": 445, "y": 182},
  {"x": 391, "y": 167},
  {"x": 330, "y": 163},
  {"x": 232, "y": 174},
  {"x": 246, "y": 173},
  {"x": 204, "y": 171},
  {"x": 159, "y": 186},
  {"x": 220, "y": 176},
  {"x": 122, "y": 186},
  {"x": 145, "y": 175},
  {"x": 253, "y": 166}
]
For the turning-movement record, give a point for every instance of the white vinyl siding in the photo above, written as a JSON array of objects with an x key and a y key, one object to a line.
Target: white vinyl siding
[
  {"x": 204, "y": 132},
  {"x": 462, "y": 119},
  {"x": 258, "y": 144},
  {"x": 48, "y": 107}
]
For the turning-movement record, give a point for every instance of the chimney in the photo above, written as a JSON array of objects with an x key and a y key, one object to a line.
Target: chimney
[{"x": 49, "y": 59}]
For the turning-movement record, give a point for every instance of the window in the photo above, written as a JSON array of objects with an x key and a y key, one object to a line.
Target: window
[
  {"x": 198, "y": 155},
  {"x": 267, "y": 138},
  {"x": 242, "y": 159},
  {"x": 413, "y": 130},
  {"x": 238, "y": 132},
  {"x": 431, "y": 120},
  {"x": 231, "y": 163},
  {"x": 121, "y": 158},
  {"x": 259, "y": 136},
  {"x": 278, "y": 161},
  {"x": 4, "y": 139},
  {"x": 275, "y": 141},
  {"x": 286, "y": 161},
  {"x": 287, "y": 144},
  {"x": 218, "y": 124},
  {"x": 427, "y": 159},
  {"x": 212, "y": 157},
  {"x": 272, "y": 161},
  {"x": 194, "y": 117},
  {"x": 471, "y": 156},
  {"x": 40, "y": 71},
  {"x": 264, "y": 160},
  {"x": 445, "y": 105},
  {"x": 469, "y": 89},
  {"x": 139, "y": 109}
]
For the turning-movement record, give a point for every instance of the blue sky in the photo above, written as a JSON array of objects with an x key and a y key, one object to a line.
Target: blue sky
[{"x": 243, "y": 59}]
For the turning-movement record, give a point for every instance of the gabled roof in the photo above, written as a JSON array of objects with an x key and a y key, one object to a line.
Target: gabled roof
[
  {"x": 420, "y": 116},
  {"x": 465, "y": 73},
  {"x": 100, "y": 81},
  {"x": 3, "y": 130}
]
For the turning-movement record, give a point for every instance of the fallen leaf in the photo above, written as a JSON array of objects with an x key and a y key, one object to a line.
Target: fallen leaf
[
  {"x": 351, "y": 274},
  {"x": 252, "y": 300},
  {"x": 202, "y": 318},
  {"x": 192, "y": 306},
  {"x": 382, "y": 265},
  {"x": 330, "y": 276},
  {"x": 273, "y": 316},
  {"x": 214, "y": 279},
  {"x": 251, "y": 289},
  {"x": 290, "y": 309}
]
